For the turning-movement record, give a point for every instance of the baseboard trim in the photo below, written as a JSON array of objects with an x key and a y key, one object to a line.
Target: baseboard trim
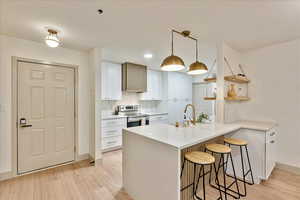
[
  {"x": 82, "y": 157},
  {"x": 9, "y": 175},
  {"x": 289, "y": 168},
  {"x": 5, "y": 175}
]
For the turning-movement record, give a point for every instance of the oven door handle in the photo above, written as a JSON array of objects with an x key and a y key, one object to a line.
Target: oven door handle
[{"x": 134, "y": 119}]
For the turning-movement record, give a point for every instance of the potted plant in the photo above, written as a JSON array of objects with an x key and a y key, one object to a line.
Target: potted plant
[{"x": 202, "y": 118}]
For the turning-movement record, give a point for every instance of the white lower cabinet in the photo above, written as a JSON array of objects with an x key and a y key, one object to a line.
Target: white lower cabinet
[
  {"x": 158, "y": 119},
  {"x": 111, "y": 142},
  {"x": 111, "y": 133},
  {"x": 262, "y": 153}
]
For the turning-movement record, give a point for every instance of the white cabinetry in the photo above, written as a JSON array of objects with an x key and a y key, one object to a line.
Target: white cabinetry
[
  {"x": 262, "y": 151},
  {"x": 111, "y": 81},
  {"x": 154, "y": 86},
  {"x": 111, "y": 133},
  {"x": 158, "y": 119},
  {"x": 179, "y": 95}
]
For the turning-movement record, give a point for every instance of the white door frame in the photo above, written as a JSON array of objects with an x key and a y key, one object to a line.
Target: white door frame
[{"x": 14, "y": 142}]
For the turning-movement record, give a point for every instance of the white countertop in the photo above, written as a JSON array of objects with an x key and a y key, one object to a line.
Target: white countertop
[
  {"x": 155, "y": 113},
  {"x": 105, "y": 117},
  {"x": 185, "y": 137},
  {"x": 256, "y": 125},
  {"x": 111, "y": 116}
]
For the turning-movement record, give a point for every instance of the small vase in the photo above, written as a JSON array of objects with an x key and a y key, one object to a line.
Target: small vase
[{"x": 231, "y": 92}]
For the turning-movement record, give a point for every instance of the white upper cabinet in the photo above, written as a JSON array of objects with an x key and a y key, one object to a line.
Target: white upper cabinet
[
  {"x": 154, "y": 86},
  {"x": 111, "y": 81},
  {"x": 180, "y": 91}
]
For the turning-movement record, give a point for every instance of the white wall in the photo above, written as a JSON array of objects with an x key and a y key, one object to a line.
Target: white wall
[
  {"x": 275, "y": 94},
  {"x": 234, "y": 58},
  {"x": 17, "y": 47}
]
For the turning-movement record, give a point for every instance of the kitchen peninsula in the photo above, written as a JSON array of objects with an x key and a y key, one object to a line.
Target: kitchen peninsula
[{"x": 152, "y": 154}]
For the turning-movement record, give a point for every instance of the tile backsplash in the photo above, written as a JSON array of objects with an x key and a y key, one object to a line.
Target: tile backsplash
[{"x": 108, "y": 107}]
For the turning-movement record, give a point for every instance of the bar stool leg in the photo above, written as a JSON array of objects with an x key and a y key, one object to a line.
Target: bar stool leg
[
  {"x": 224, "y": 188},
  {"x": 224, "y": 177},
  {"x": 243, "y": 170},
  {"x": 194, "y": 179},
  {"x": 217, "y": 180},
  {"x": 250, "y": 168},
  {"x": 235, "y": 178},
  {"x": 195, "y": 192},
  {"x": 182, "y": 168}
]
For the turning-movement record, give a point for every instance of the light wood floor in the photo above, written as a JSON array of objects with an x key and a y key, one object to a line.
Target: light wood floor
[{"x": 83, "y": 182}]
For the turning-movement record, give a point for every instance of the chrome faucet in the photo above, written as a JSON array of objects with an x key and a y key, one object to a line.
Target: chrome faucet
[{"x": 194, "y": 112}]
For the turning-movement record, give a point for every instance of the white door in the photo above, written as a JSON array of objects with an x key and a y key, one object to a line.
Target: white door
[{"x": 46, "y": 116}]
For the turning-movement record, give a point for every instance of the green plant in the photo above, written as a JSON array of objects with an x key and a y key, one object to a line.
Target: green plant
[{"x": 201, "y": 117}]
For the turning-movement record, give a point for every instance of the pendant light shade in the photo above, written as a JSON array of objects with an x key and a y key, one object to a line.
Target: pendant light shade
[
  {"x": 52, "y": 39},
  {"x": 175, "y": 63},
  {"x": 197, "y": 68},
  {"x": 172, "y": 63}
]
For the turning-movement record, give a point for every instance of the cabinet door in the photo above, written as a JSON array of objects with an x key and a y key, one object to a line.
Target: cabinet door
[
  {"x": 270, "y": 152},
  {"x": 148, "y": 95},
  {"x": 111, "y": 81},
  {"x": 154, "y": 86},
  {"x": 157, "y": 85}
]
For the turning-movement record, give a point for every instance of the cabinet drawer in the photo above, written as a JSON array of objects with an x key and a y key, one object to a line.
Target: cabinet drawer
[
  {"x": 114, "y": 122},
  {"x": 158, "y": 118},
  {"x": 111, "y": 131},
  {"x": 111, "y": 142}
]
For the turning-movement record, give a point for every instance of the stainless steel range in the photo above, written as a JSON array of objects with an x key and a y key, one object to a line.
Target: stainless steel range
[{"x": 134, "y": 117}]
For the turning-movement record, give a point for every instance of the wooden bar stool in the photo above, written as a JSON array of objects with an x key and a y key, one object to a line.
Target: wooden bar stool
[
  {"x": 222, "y": 150},
  {"x": 241, "y": 143},
  {"x": 198, "y": 158}
]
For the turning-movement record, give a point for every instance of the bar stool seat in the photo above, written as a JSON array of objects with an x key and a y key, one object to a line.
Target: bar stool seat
[
  {"x": 218, "y": 148},
  {"x": 199, "y": 157},
  {"x": 235, "y": 141}
]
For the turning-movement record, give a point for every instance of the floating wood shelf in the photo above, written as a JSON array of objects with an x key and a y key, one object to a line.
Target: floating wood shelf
[
  {"x": 233, "y": 78},
  {"x": 210, "y": 80},
  {"x": 237, "y": 98},
  {"x": 229, "y": 98},
  {"x": 236, "y": 79},
  {"x": 210, "y": 98}
]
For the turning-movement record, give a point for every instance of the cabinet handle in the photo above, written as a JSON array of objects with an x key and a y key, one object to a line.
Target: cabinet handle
[
  {"x": 113, "y": 131},
  {"x": 113, "y": 142},
  {"x": 272, "y": 134},
  {"x": 272, "y": 142}
]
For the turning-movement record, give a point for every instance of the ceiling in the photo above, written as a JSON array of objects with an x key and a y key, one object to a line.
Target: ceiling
[{"x": 129, "y": 28}]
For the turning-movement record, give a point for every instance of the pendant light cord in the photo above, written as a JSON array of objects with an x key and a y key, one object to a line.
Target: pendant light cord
[
  {"x": 196, "y": 50},
  {"x": 187, "y": 35},
  {"x": 172, "y": 44}
]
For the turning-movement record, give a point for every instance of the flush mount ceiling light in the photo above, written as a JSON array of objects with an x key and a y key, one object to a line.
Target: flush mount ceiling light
[
  {"x": 148, "y": 55},
  {"x": 175, "y": 63},
  {"x": 52, "y": 39}
]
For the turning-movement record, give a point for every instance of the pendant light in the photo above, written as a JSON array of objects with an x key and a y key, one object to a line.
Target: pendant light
[
  {"x": 172, "y": 62},
  {"x": 52, "y": 39},
  {"x": 197, "y": 67}
]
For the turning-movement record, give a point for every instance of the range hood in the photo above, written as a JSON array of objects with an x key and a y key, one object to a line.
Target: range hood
[{"x": 134, "y": 78}]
